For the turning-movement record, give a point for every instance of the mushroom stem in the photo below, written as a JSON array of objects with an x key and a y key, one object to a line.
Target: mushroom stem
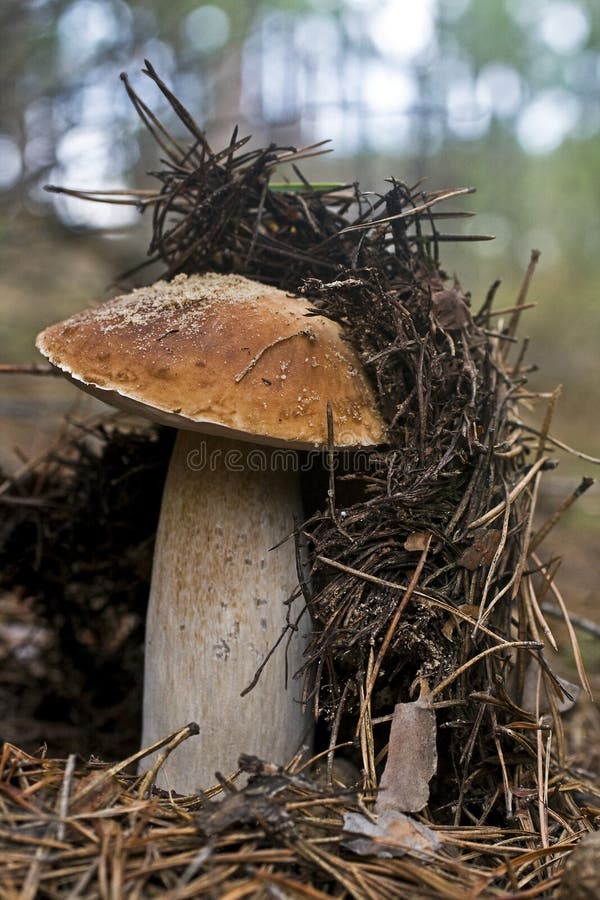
[{"x": 218, "y": 604}]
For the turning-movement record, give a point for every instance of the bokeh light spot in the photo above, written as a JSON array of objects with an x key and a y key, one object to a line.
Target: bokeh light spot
[
  {"x": 564, "y": 26},
  {"x": 547, "y": 120},
  {"x": 499, "y": 88},
  {"x": 207, "y": 28},
  {"x": 10, "y": 163},
  {"x": 403, "y": 29}
]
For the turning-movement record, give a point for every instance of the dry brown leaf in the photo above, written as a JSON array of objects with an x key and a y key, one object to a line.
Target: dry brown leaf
[
  {"x": 482, "y": 549},
  {"x": 101, "y": 797},
  {"x": 393, "y": 834},
  {"x": 412, "y": 757},
  {"x": 417, "y": 540},
  {"x": 469, "y": 609},
  {"x": 449, "y": 310}
]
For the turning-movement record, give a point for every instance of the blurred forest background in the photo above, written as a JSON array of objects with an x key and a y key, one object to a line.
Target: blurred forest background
[{"x": 503, "y": 95}]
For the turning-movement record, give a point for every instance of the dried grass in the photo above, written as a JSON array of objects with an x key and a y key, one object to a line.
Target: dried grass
[{"x": 71, "y": 829}]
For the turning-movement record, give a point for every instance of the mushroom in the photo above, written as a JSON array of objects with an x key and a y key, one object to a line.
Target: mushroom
[{"x": 245, "y": 375}]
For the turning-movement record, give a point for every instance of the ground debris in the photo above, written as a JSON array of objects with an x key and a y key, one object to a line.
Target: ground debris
[
  {"x": 279, "y": 835},
  {"x": 74, "y": 574}
]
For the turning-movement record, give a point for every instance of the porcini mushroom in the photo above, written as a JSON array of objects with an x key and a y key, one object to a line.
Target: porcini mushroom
[{"x": 243, "y": 372}]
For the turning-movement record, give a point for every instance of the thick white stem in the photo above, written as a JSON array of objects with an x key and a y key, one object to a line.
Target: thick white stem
[{"x": 217, "y": 606}]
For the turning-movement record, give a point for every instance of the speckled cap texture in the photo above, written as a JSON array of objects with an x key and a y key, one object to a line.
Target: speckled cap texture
[{"x": 224, "y": 355}]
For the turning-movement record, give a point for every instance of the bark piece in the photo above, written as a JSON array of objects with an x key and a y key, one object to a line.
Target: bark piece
[{"x": 412, "y": 757}]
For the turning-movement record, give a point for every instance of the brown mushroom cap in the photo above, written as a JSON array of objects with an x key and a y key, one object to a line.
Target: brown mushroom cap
[{"x": 223, "y": 355}]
